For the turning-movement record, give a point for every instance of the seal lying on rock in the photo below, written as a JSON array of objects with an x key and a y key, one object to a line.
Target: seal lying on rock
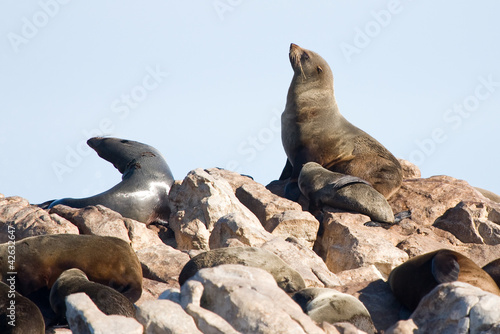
[
  {"x": 329, "y": 305},
  {"x": 142, "y": 194},
  {"x": 108, "y": 300},
  {"x": 493, "y": 269},
  {"x": 41, "y": 259},
  {"x": 22, "y": 317},
  {"x": 415, "y": 278},
  {"x": 287, "y": 278},
  {"x": 312, "y": 129},
  {"x": 323, "y": 187}
]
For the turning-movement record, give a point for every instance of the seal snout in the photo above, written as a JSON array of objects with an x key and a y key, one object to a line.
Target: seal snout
[
  {"x": 94, "y": 141},
  {"x": 295, "y": 54}
]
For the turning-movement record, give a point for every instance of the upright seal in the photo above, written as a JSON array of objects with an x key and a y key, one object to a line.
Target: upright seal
[
  {"x": 143, "y": 192},
  {"x": 312, "y": 129}
]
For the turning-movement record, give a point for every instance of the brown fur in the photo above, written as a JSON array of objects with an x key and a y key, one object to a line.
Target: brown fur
[
  {"x": 106, "y": 260},
  {"x": 108, "y": 300},
  {"x": 312, "y": 129},
  {"x": 412, "y": 280}
]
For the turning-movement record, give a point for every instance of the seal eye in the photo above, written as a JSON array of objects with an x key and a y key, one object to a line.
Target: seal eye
[
  {"x": 124, "y": 141},
  {"x": 304, "y": 56},
  {"x": 319, "y": 69}
]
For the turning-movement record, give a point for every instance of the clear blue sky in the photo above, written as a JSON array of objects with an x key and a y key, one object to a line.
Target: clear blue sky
[{"x": 206, "y": 82}]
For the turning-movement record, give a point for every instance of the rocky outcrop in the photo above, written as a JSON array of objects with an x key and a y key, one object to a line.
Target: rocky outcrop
[
  {"x": 214, "y": 208},
  {"x": 84, "y": 317},
  {"x": 27, "y": 220},
  {"x": 455, "y": 308}
]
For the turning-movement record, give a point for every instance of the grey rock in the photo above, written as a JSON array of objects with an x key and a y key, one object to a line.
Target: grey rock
[
  {"x": 292, "y": 223},
  {"x": 236, "y": 226},
  {"x": 165, "y": 317},
  {"x": 306, "y": 262},
  {"x": 85, "y": 318},
  {"x": 287, "y": 278},
  {"x": 347, "y": 244},
  {"x": 472, "y": 222},
  {"x": 250, "y": 301},
  {"x": 197, "y": 204},
  {"x": 458, "y": 308}
]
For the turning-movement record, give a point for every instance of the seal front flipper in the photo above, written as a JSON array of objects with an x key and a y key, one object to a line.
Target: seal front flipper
[
  {"x": 445, "y": 267},
  {"x": 323, "y": 187}
]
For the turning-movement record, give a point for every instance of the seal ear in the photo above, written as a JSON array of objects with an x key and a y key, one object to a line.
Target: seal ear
[
  {"x": 445, "y": 267},
  {"x": 319, "y": 69}
]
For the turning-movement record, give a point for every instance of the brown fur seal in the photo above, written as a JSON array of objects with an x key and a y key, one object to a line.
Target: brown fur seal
[
  {"x": 415, "y": 278},
  {"x": 312, "y": 129},
  {"x": 108, "y": 300},
  {"x": 41, "y": 259},
  {"x": 332, "y": 306},
  {"x": 287, "y": 278},
  {"x": 142, "y": 194},
  {"x": 323, "y": 187},
  {"x": 489, "y": 194},
  {"x": 493, "y": 269},
  {"x": 18, "y": 315}
]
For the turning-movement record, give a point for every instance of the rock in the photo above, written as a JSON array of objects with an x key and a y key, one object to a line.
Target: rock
[
  {"x": 378, "y": 299},
  {"x": 209, "y": 322},
  {"x": 428, "y": 199},
  {"x": 152, "y": 289},
  {"x": 250, "y": 301},
  {"x": 403, "y": 327},
  {"x": 410, "y": 170},
  {"x": 286, "y": 277},
  {"x": 27, "y": 220},
  {"x": 247, "y": 230},
  {"x": 263, "y": 203},
  {"x": 299, "y": 224},
  {"x": 458, "y": 308},
  {"x": 165, "y": 316},
  {"x": 360, "y": 275},
  {"x": 140, "y": 235},
  {"x": 329, "y": 305},
  {"x": 347, "y": 244},
  {"x": 94, "y": 220},
  {"x": 162, "y": 263},
  {"x": 472, "y": 222},
  {"x": 198, "y": 203},
  {"x": 84, "y": 317},
  {"x": 307, "y": 263}
]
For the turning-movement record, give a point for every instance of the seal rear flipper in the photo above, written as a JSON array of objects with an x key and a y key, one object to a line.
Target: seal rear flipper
[
  {"x": 287, "y": 171},
  {"x": 46, "y": 204},
  {"x": 292, "y": 191},
  {"x": 445, "y": 267}
]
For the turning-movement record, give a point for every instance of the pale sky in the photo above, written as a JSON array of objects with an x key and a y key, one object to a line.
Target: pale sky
[{"x": 205, "y": 83}]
